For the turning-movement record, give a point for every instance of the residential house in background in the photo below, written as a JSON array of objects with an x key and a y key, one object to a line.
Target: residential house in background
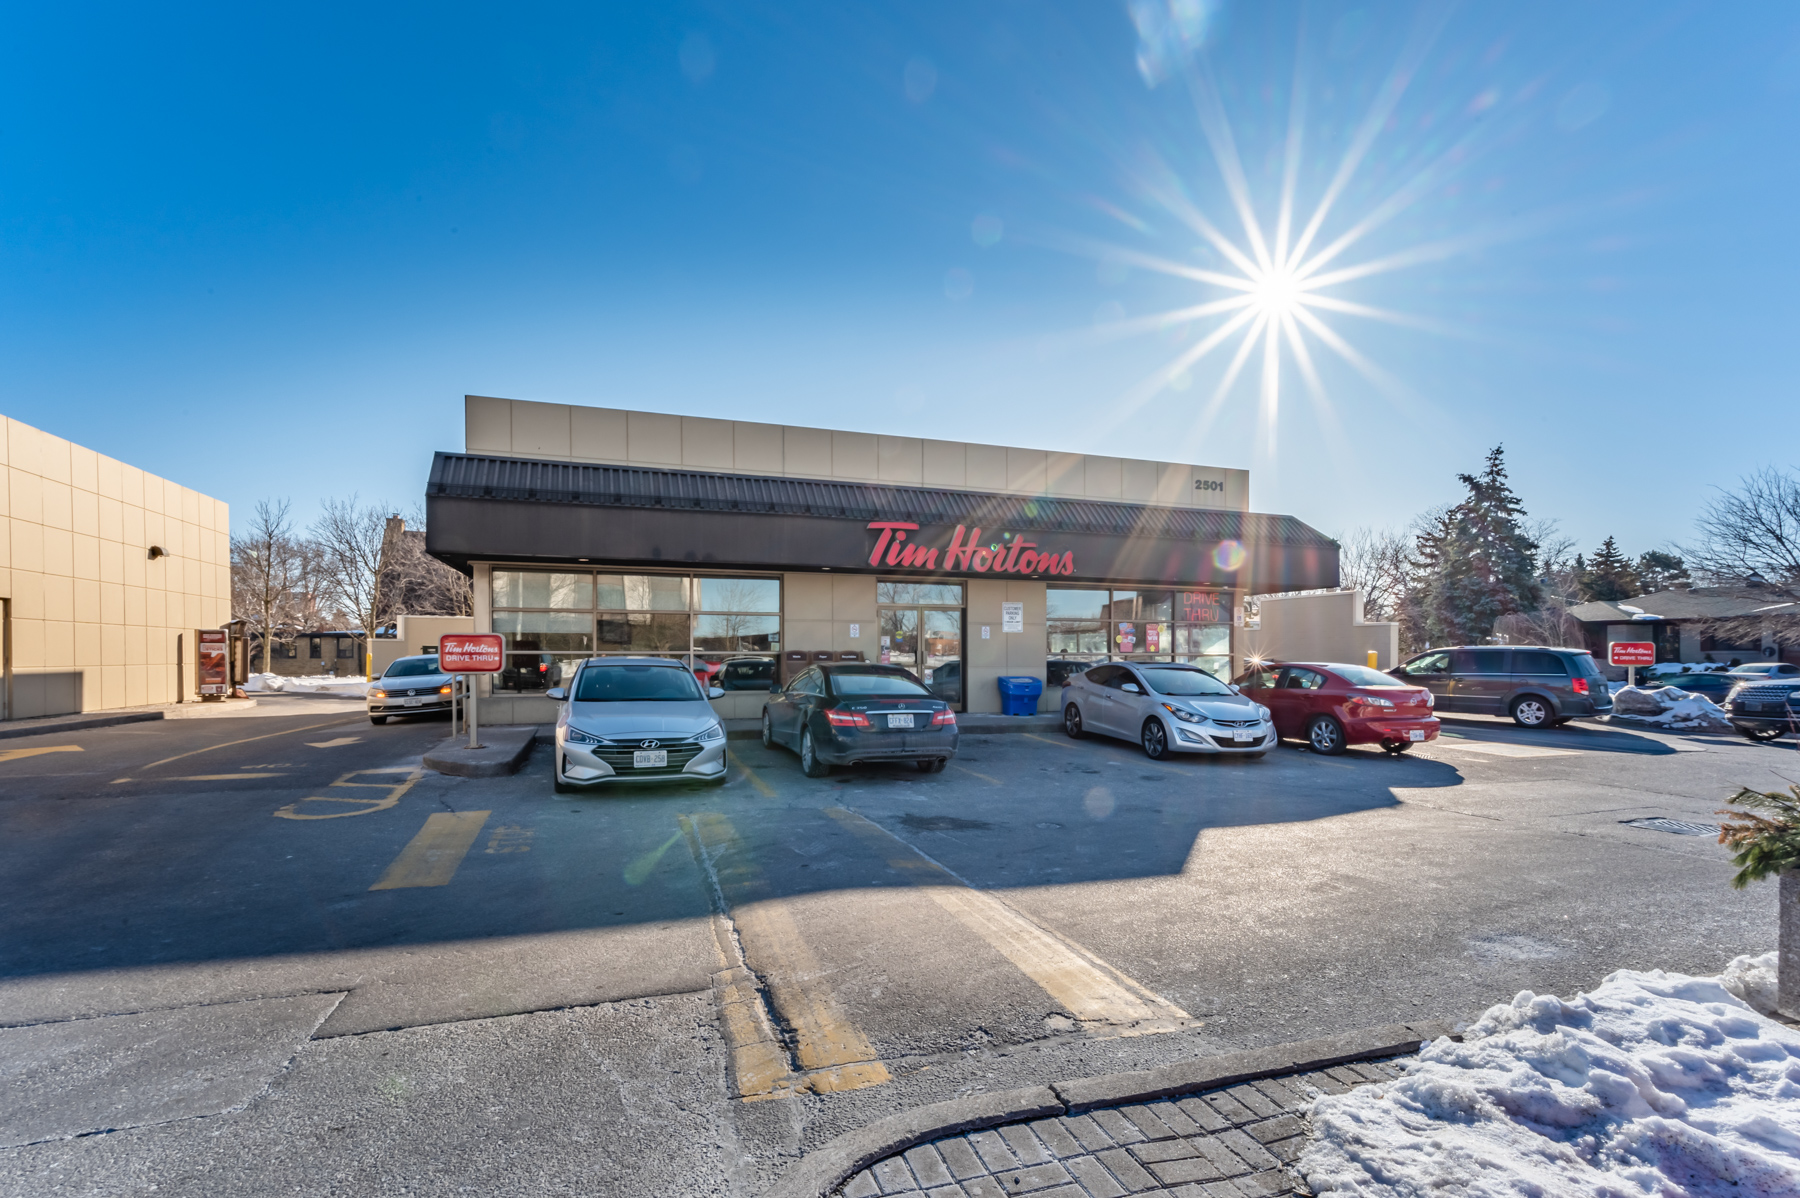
[{"x": 1752, "y": 621}]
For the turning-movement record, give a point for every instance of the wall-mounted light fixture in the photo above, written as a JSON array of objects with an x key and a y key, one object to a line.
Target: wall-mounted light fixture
[{"x": 157, "y": 551}]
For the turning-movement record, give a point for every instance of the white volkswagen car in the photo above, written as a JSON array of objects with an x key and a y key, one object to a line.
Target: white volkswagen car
[
  {"x": 636, "y": 719},
  {"x": 1167, "y": 708}
]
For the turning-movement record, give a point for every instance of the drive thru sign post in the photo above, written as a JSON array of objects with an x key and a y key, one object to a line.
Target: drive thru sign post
[
  {"x": 471, "y": 653},
  {"x": 1631, "y": 655}
]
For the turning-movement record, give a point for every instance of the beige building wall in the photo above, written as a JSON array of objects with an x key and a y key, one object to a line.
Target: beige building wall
[
  {"x": 91, "y": 621},
  {"x": 1327, "y": 627},
  {"x": 413, "y": 635},
  {"x": 612, "y": 436}
]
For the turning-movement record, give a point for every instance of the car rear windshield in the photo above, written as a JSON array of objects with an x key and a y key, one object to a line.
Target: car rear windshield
[
  {"x": 1364, "y": 676},
  {"x": 636, "y": 684},
  {"x": 412, "y": 667},
  {"x": 1184, "y": 682},
  {"x": 851, "y": 686}
]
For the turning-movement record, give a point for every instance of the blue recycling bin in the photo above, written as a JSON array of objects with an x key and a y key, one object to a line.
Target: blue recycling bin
[{"x": 1019, "y": 696}]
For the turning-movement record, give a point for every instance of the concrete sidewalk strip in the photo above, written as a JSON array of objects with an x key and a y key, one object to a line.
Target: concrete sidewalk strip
[
  {"x": 1234, "y": 1119},
  {"x": 80, "y": 1076},
  {"x": 502, "y": 751}
]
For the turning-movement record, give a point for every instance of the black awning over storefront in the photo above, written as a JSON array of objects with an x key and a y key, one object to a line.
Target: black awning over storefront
[{"x": 483, "y": 508}]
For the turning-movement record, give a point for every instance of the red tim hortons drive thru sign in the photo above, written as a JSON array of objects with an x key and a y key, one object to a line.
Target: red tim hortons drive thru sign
[
  {"x": 1631, "y": 653},
  {"x": 470, "y": 652}
]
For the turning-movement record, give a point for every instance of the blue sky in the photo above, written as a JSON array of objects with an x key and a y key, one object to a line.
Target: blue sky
[{"x": 265, "y": 253}]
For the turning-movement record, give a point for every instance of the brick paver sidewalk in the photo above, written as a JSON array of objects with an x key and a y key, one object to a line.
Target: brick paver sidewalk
[{"x": 1233, "y": 1142}]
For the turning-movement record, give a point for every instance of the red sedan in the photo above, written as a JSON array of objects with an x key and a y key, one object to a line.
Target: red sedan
[{"x": 1333, "y": 706}]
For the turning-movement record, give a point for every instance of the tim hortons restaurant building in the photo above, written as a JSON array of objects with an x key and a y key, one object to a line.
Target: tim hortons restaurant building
[{"x": 750, "y": 551}]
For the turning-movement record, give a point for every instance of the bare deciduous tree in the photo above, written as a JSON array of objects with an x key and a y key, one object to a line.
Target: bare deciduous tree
[
  {"x": 269, "y": 567},
  {"x": 1375, "y": 563},
  {"x": 352, "y": 540},
  {"x": 417, "y": 583},
  {"x": 1753, "y": 531}
]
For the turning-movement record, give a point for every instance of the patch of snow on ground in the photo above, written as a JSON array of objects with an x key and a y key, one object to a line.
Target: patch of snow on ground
[
  {"x": 1753, "y": 979},
  {"x": 313, "y": 684},
  {"x": 1671, "y": 707},
  {"x": 1654, "y": 1084}
]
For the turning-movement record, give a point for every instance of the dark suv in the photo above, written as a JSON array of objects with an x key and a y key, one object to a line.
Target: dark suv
[{"x": 1537, "y": 686}]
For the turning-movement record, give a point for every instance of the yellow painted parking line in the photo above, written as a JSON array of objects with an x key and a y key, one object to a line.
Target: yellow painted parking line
[
  {"x": 833, "y": 1055},
  {"x": 1045, "y": 740},
  {"x": 1087, "y": 987},
  {"x": 762, "y": 788},
  {"x": 19, "y": 754},
  {"x": 340, "y": 806},
  {"x": 338, "y": 722},
  {"x": 990, "y": 781},
  {"x": 431, "y": 857}
]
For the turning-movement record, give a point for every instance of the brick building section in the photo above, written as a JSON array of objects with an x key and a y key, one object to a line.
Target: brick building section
[{"x": 1235, "y": 1142}]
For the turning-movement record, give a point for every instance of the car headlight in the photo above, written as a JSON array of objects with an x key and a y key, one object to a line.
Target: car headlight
[
  {"x": 576, "y": 736},
  {"x": 377, "y": 694},
  {"x": 1185, "y": 716},
  {"x": 1262, "y": 712},
  {"x": 715, "y": 732}
]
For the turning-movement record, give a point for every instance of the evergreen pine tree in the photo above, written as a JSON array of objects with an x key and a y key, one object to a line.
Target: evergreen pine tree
[
  {"x": 1658, "y": 571},
  {"x": 1609, "y": 576},
  {"x": 1478, "y": 564}
]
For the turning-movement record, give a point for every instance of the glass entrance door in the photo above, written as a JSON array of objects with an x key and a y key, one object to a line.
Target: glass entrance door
[{"x": 929, "y": 643}]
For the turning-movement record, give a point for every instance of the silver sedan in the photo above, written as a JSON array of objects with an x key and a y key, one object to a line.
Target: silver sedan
[
  {"x": 410, "y": 686},
  {"x": 636, "y": 719},
  {"x": 1167, "y": 708}
]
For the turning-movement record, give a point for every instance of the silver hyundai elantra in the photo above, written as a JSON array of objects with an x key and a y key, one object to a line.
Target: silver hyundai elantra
[{"x": 636, "y": 719}]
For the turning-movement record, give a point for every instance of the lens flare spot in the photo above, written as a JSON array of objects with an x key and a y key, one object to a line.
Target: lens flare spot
[
  {"x": 1099, "y": 802},
  {"x": 1229, "y": 556}
]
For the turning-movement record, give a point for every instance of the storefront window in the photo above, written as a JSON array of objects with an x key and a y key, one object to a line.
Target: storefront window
[
  {"x": 927, "y": 594},
  {"x": 1087, "y": 625},
  {"x": 726, "y": 630}
]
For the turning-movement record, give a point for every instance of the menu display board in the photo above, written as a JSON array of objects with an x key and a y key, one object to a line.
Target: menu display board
[{"x": 212, "y": 667}]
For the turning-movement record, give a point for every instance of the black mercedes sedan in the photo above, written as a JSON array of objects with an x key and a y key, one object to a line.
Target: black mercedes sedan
[{"x": 852, "y": 712}]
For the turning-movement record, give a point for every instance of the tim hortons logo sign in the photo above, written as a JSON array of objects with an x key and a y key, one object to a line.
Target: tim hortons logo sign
[{"x": 1011, "y": 554}]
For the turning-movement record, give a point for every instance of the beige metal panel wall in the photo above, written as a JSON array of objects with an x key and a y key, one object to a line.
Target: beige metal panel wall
[
  {"x": 524, "y": 428},
  {"x": 93, "y": 620},
  {"x": 1325, "y": 627},
  {"x": 1001, "y": 652}
]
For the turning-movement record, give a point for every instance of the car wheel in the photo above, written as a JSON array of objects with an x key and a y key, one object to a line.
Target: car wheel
[
  {"x": 377, "y": 719},
  {"x": 1325, "y": 735},
  {"x": 1761, "y": 734},
  {"x": 1155, "y": 739},
  {"x": 768, "y": 730},
  {"x": 810, "y": 765},
  {"x": 931, "y": 765},
  {"x": 1531, "y": 712},
  {"x": 556, "y": 777},
  {"x": 1072, "y": 722}
]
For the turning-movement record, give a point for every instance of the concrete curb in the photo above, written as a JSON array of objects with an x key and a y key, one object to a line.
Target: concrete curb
[
  {"x": 503, "y": 750},
  {"x": 829, "y": 1166},
  {"x": 53, "y": 726}
]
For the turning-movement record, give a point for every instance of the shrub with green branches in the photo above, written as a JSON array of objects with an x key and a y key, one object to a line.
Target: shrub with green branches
[{"x": 1762, "y": 845}]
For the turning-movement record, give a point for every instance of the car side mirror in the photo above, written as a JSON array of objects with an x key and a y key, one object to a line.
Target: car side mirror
[
  {"x": 1234, "y": 688},
  {"x": 1132, "y": 688},
  {"x": 715, "y": 692},
  {"x": 557, "y": 693}
]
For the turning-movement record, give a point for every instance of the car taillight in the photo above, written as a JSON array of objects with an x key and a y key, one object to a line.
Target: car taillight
[
  {"x": 1580, "y": 685},
  {"x": 847, "y": 719},
  {"x": 1429, "y": 699},
  {"x": 945, "y": 716},
  {"x": 1368, "y": 705}
]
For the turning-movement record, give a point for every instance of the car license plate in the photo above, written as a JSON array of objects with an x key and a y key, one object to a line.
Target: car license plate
[
  {"x": 900, "y": 721},
  {"x": 1243, "y": 738},
  {"x": 650, "y": 759},
  {"x": 415, "y": 702},
  {"x": 1416, "y": 734}
]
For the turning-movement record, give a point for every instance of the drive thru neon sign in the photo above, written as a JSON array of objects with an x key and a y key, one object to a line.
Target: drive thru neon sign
[{"x": 1011, "y": 555}]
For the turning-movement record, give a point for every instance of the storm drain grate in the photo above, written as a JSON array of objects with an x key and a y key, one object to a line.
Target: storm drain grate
[{"x": 1680, "y": 827}]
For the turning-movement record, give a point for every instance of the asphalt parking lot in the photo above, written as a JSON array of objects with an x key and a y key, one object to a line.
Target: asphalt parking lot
[{"x": 900, "y": 937}]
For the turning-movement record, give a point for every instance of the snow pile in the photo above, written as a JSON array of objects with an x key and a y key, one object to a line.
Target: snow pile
[
  {"x": 314, "y": 684},
  {"x": 1671, "y": 707},
  {"x": 1654, "y": 1084},
  {"x": 1753, "y": 979}
]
